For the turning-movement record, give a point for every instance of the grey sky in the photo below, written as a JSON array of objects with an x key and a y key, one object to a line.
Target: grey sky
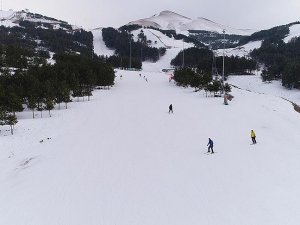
[{"x": 257, "y": 14}]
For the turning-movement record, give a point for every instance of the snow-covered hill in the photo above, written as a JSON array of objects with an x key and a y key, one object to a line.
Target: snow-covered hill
[
  {"x": 167, "y": 20},
  {"x": 13, "y": 18},
  {"x": 122, "y": 159},
  {"x": 241, "y": 51}
]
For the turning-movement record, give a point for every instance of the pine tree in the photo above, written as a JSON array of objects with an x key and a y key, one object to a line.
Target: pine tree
[
  {"x": 49, "y": 104},
  {"x": 32, "y": 104},
  {"x": 11, "y": 120}
]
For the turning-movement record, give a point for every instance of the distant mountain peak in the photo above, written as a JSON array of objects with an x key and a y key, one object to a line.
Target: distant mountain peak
[
  {"x": 168, "y": 20},
  {"x": 171, "y": 13}
]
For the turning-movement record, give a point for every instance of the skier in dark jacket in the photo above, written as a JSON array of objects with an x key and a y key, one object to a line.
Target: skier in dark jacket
[
  {"x": 210, "y": 146},
  {"x": 170, "y": 108}
]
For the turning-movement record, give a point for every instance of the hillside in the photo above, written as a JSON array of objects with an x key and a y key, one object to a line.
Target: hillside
[
  {"x": 130, "y": 162},
  {"x": 28, "y": 38},
  {"x": 13, "y": 18},
  {"x": 254, "y": 41}
]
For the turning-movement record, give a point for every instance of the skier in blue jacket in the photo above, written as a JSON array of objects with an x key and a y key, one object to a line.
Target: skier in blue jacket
[{"x": 210, "y": 146}]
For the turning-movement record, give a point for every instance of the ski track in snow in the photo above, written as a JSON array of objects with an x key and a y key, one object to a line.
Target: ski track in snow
[{"x": 122, "y": 159}]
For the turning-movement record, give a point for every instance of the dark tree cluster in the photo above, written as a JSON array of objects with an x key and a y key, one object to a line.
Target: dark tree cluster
[
  {"x": 193, "y": 57},
  {"x": 41, "y": 87},
  {"x": 281, "y": 61},
  {"x": 202, "y": 58},
  {"x": 19, "y": 47},
  {"x": 123, "y": 62},
  {"x": 121, "y": 40},
  {"x": 199, "y": 80},
  {"x": 130, "y": 28}
]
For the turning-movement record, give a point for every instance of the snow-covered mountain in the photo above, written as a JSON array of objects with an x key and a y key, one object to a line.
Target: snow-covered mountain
[
  {"x": 13, "y": 18},
  {"x": 167, "y": 20}
]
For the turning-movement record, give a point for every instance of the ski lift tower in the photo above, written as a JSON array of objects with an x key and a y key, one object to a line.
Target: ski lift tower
[
  {"x": 130, "y": 52},
  {"x": 182, "y": 53},
  {"x": 214, "y": 70},
  {"x": 223, "y": 71}
]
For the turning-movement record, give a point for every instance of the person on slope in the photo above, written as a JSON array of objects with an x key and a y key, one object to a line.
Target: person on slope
[
  {"x": 170, "y": 108},
  {"x": 210, "y": 146},
  {"x": 253, "y": 137}
]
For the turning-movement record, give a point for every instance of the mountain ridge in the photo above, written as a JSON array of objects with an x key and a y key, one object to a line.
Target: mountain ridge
[{"x": 169, "y": 20}]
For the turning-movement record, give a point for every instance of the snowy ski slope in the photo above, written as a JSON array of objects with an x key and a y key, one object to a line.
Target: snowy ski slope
[
  {"x": 158, "y": 40},
  {"x": 99, "y": 45},
  {"x": 122, "y": 159},
  {"x": 294, "y": 32}
]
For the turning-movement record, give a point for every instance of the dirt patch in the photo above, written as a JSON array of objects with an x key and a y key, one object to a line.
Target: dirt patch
[{"x": 296, "y": 107}]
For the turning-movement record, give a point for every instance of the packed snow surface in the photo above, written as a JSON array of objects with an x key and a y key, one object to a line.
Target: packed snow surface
[
  {"x": 158, "y": 39},
  {"x": 121, "y": 158},
  {"x": 294, "y": 32},
  {"x": 167, "y": 20}
]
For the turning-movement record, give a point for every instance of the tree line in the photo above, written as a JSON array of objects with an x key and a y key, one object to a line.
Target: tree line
[
  {"x": 280, "y": 60},
  {"x": 202, "y": 58},
  {"x": 39, "y": 88},
  {"x": 200, "y": 80}
]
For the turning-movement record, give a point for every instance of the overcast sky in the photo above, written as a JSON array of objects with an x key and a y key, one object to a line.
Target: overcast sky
[{"x": 256, "y": 14}]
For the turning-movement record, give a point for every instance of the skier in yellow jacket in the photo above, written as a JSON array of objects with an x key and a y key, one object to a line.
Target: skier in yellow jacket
[{"x": 253, "y": 136}]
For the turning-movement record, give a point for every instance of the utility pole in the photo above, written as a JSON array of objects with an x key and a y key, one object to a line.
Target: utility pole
[
  {"x": 223, "y": 72},
  {"x": 182, "y": 53},
  {"x": 130, "y": 54},
  {"x": 1, "y": 13}
]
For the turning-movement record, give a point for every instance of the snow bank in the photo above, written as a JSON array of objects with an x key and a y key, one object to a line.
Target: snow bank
[{"x": 274, "y": 88}]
